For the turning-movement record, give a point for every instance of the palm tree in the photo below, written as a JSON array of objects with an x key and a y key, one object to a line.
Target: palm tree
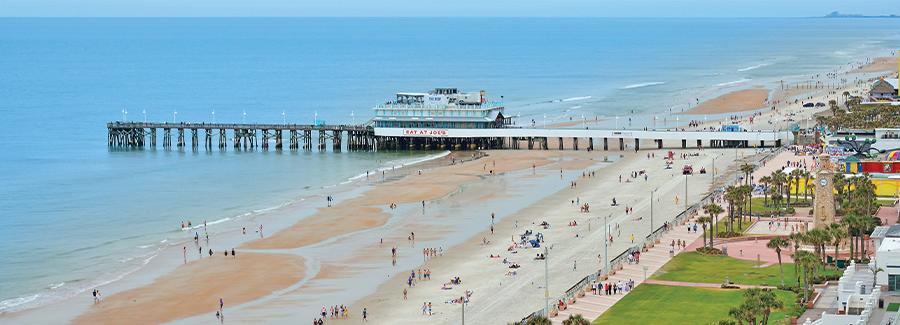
[
  {"x": 703, "y": 221},
  {"x": 818, "y": 238},
  {"x": 796, "y": 238},
  {"x": 840, "y": 187},
  {"x": 795, "y": 176},
  {"x": 807, "y": 262},
  {"x": 806, "y": 188},
  {"x": 780, "y": 179},
  {"x": 777, "y": 244},
  {"x": 576, "y": 320},
  {"x": 767, "y": 301},
  {"x": 713, "y": 210},
  {"x": 851, "y": 223},
  {"x": 766, "y": 180},
  {"x": 731, "y": 196},
  {"x": 747, "y": 169},
  {"x": 838, "y": 234}
]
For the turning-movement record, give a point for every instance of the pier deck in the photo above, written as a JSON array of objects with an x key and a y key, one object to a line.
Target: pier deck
[{"x": 138, "y": 135}]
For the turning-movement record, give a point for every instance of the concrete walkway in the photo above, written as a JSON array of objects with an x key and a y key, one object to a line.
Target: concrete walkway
[
  {"x": 703, "y": 285},
  {"x": 592, "y": 306}
]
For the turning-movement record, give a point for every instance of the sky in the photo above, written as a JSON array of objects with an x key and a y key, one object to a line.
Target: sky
[{"x": 445, "y": 8}]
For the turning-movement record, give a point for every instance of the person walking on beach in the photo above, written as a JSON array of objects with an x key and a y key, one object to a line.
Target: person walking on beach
[
  {"x": 233, "y": 255},
  {"x": 365, "y": 315},
  {"x": 221, "y": 303}
]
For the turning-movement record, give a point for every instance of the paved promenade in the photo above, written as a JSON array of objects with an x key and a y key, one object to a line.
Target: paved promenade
[{"x": 592, "y": 306}]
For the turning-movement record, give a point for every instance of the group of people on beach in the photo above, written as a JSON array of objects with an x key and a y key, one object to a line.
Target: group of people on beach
[{"x": 432, "y": 252}]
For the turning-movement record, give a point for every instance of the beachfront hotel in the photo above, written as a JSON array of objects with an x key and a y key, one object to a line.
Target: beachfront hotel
[{"x": 442, "y": 108}]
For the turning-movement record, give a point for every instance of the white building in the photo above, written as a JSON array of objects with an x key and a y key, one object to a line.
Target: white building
[{"x": 887, "y": 256}]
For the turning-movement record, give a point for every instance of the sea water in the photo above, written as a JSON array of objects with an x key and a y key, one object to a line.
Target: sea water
[{"x": 75, "y": 214}]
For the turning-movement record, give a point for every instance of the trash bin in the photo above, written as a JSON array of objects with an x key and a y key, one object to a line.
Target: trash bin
[{"x": 880, "y": 303}]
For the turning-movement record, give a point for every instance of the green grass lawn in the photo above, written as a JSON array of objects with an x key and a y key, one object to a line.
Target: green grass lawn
[
  {"x": 660, "y": 304},
  {"x": 723, "y": 225},
  {"x": 695, "y": 267},
  {"x": 893, "y": 306},
  {"x": 757, "y": 204},
  {"x": 886, "y": 201}
]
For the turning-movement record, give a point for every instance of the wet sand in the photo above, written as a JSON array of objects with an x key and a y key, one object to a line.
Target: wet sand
[
  {"x": 367, "y": 211},
  {"x": 195, "y": 289},
  {"x": 736, "y": 101}
]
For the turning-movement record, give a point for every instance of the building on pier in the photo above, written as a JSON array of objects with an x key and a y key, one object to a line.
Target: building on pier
[{"x": 442, "y": 108}]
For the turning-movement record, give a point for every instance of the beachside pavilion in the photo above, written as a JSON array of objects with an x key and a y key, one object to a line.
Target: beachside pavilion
[{"x": 885, "y": 90}]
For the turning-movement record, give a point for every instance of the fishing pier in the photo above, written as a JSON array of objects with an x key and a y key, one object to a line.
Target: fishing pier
[{"x": 139, "y": 135}]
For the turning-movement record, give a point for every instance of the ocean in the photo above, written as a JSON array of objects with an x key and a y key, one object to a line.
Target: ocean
[{"x": 75, "y": 214}]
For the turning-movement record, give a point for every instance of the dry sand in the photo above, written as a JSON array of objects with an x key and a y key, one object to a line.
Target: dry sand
[
  {"x": 881, "y": 64},
  {"x": 736, "y": 101},
  {"x": 195, "y": 289}
]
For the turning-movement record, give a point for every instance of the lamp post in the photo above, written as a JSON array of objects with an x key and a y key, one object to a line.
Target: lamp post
[
  {"x": 546, "y": 283},
  {"x": 316, "y": 118},
  {"x": 124, "y": 115},
  {"x": 244, "y": 117},
  {"x": 685, "y": 192},
  {"x": 353, "y": 117},
  {"x": 606, "y": 244},
  {"x": 144, "y": 111},
  {"x": 174, "y": 116},
  {"x": 214, "y": 116},
  {"x": 283, "y": 118},
  {"x": 545, "y": 120}
]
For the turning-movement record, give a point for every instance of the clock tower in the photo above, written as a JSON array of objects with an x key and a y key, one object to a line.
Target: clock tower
[{"x": 823, "y": 207}]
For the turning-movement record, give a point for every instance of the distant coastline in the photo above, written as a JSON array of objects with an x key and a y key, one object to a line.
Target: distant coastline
[{"x": 835, "y": 14}]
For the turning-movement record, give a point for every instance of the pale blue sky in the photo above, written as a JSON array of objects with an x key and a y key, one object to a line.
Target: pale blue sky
[{"x": 447, "y": 8}]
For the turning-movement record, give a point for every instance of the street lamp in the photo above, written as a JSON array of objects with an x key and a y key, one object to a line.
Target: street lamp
[
  {"x": 353, "y": 117},
  {"x": 545, "y": 120},
  {"x": 244, "y": 117},
  {"x": 546, "y": 282},
  {"x": 283, "y": 118},
  {"x": 174, "y": 116},
  {"x": 124, "y": 115},
  {"x": 144, "y": 111},
  {"x": 214, "y": 116}
]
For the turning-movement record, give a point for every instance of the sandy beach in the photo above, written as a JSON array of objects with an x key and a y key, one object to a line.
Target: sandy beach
[
  {"x": 879, "y": 65},
  {"x": 735, "y": 101},
  {"x": 196, "y": 287}
]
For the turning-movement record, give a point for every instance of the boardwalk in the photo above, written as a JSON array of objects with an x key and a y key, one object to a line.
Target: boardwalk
[{"x": 592, "y": 306}]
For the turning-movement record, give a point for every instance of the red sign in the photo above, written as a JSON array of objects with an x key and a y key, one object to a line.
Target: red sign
[{"x": 425, "y": 132}]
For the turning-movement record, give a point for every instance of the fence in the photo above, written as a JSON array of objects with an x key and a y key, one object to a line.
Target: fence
[{"x": 617, "y": 262}]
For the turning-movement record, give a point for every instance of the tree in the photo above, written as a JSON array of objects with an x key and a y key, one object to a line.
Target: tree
[
  {"x": 703, "y": 221},
  {"x": 851, "y": 223},
  {"x": 838, "y": 234},
  {"x": 766, "y": 180},
  {"x": 807, "y": 263},
  {"x": 806, "y": 188},
  {"x": 713, "y": 210},
  {"x": 576, "y": 320},
  {"x": 818, "y": 238},
  {"x": 795, "y": 176},
  {"x": 538, "y": 320},
  {"x": 767, "y": 301},
  {"x": 732, "y": 196},
  {"x": 747, "y": 169},
  {"x": 796, "y": 238},
  {"x": 777, "y": 244}
]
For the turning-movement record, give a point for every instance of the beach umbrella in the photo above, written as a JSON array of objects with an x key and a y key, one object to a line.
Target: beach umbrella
[{"x": 893, "y": 155}]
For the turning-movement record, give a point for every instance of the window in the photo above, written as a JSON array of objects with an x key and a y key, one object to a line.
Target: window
[{"x": 894, "y": 282}]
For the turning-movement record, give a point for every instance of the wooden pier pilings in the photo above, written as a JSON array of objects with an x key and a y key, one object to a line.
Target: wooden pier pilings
[{"x": 138, "y": 135}]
